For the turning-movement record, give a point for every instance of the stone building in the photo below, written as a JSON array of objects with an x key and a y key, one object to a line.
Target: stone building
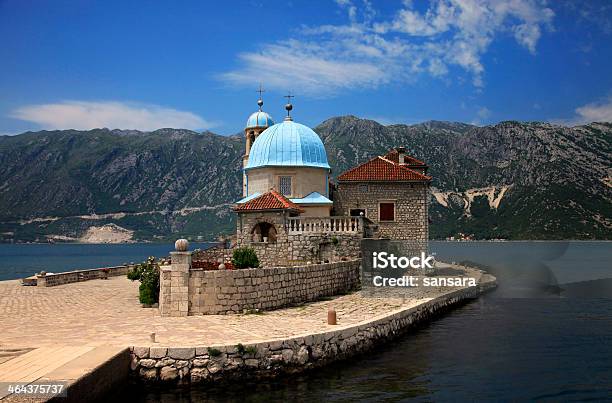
[
  {"x": 391, "y": 191},
  {"x": 290, "y": 158},
  {"x": 285, "y": 215},
  {"x": 286, "y": 211}
]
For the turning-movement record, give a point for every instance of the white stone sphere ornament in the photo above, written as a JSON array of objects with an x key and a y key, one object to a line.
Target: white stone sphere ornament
[{"x": 181, "y": 245}]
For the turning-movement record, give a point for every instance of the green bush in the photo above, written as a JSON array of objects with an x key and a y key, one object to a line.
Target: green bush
[
  {"x": 240, "y": 348},
  {"x": 245, "y": 257},
  {"x": 249, "y": 350},
  {"x": 148, "y": 275}
]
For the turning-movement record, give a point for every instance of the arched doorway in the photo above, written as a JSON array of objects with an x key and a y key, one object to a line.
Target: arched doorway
[{"x": 264, "y": 232}]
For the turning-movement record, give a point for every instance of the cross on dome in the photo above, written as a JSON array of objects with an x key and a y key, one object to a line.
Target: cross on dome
[{"x": 289, "y": 107}]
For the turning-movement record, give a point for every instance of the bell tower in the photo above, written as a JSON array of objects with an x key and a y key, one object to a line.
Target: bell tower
[{"x": 256, "y": 124}]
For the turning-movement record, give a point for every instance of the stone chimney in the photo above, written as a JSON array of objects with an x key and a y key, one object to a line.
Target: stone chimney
[{"x": 401, "y": 151}]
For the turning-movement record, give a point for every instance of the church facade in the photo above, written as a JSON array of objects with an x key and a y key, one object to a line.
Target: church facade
[{"x": 291, "y": 212}]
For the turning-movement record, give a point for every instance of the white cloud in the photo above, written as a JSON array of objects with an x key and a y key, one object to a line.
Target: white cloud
[
  {"x": 84, "y": 115},
  {"x": 482, "y": 115},
  {"x": 595, "y": 112},
  {"x": 305, "y": 67},
  {"x": 599, "y": 111},
  {"x": 364, "y": 52}
]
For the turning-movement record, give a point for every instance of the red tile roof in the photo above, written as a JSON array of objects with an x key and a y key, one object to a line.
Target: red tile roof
[
  {"x": 271, "y": 200},
  {"x": 381, "y": 169},
  {"x": 409, "y": 160}
]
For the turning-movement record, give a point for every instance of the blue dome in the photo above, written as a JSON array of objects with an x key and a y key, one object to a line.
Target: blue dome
[
  {"x": 288, "y": 144},
  {"x": 259, "y": 119}
]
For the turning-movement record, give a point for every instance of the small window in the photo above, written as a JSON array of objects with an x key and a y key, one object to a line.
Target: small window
[
  {"x": 357, "y": 212},
  {"x": 284, "y": 185},
  {"x": 363, "y": 188},
  {"x": 387, "y": 212}
]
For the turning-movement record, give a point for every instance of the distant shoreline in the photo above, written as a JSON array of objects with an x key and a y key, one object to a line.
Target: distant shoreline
[{"x": 431, "y": 240}]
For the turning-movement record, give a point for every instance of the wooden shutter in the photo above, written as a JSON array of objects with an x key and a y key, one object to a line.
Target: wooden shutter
[{"x": 387, "y": 211}]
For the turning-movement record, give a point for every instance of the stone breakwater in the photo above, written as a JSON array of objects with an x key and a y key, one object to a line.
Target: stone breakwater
[{"x": 271, "y": 358}]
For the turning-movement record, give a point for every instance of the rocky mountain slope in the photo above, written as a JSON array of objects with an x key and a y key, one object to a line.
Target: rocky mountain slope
[{"x": 511, "y": 180}]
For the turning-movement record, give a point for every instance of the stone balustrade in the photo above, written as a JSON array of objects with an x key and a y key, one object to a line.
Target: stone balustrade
[
  {"x": 53, "y": 279},
  {"x": 321, "y": 225}
]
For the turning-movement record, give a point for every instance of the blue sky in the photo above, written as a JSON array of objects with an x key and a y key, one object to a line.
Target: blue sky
[{"x": 195, "y": 64}]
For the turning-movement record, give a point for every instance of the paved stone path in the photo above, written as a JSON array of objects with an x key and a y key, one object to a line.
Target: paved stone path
[
  {"x": 51, "y": 365},
  {"x": 107, "y": 312}
]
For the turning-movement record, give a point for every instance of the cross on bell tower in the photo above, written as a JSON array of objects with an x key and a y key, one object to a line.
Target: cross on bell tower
[{"x": 261, "y": 91}]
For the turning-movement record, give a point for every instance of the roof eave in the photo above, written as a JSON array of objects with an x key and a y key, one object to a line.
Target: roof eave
[
  {"x": 267, "y": 209},
  {"x": 288, "y": 166},
  {"x": 383, "y": 180}
]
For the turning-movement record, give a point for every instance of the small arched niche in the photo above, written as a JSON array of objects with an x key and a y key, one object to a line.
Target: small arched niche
[{"x": 264, "y": 232}]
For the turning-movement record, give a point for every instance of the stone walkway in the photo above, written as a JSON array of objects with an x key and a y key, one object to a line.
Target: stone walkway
[{"x": 107, "y": 312}]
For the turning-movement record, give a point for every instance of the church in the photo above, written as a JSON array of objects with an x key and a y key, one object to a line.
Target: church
[{"x": 292, "y": 211}]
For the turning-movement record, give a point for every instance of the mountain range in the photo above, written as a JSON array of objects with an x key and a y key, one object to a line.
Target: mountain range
[{"x": 512, "y": 180}]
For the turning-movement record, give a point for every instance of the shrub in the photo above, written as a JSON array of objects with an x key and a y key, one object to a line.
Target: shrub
[
  {"x": 240, "y": 348},
  {"x": 245, "y": 257},
  {"x": 213, "y": 352},
  {"x": 148, "y": 275},
  {"x": 249, "y": 350},
  {"x": 134, "y": 273}
]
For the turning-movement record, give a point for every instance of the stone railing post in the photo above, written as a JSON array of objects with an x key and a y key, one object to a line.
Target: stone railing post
[{"x": 174, "y": 283}]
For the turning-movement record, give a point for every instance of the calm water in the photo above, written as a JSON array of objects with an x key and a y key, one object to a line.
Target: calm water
[
  {"x": 545, "y": 334},
  {"x": 23, "y": 260}
]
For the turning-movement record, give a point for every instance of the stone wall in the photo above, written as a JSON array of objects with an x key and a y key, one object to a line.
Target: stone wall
[
  {"x": 276, "y": 253},
  {"x": 270, "y": 358},
  {"x": 296, "y": 248},
  {"x": 185, "y": 291},
  {"x": 234, "y": 291},
  {"x": 213, "y": 254},
  {"x": 307, "y": 247},
  {"x": 55, "y": 279},
  {"x": 411, "y": 206}
]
